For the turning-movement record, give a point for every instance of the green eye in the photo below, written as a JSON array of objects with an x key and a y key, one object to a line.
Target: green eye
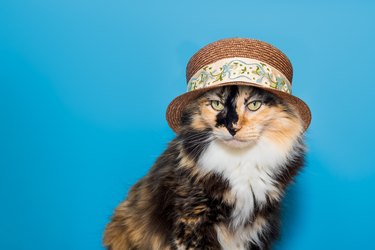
[
  {"x": 254, "y": 105},
  {"x": 216, "y": 105}
]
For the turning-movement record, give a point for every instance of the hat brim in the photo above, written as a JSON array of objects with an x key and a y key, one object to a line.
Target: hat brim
[{"x": 176, "y": 107}]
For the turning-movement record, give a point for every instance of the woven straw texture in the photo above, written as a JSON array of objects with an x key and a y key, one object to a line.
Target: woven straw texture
[{"x": 236, "y": 47}]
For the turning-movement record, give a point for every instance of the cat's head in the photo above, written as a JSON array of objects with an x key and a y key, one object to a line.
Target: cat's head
[{"x": 240, "y": 116}]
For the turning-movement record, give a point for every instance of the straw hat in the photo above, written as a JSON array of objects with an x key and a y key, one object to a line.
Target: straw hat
[{"x": 237, "y": 61}]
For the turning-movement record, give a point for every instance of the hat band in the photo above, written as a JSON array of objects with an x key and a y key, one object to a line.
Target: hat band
[{"x": 239, "y": 69}]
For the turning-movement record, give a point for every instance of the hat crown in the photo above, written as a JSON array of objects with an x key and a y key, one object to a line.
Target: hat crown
[
  {"x": 239, "y": 47},
  {"x": 237, "y": 61}
]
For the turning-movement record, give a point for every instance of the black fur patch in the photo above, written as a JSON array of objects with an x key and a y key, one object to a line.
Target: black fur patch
[
  {"x": 186, "y": 117},
  {"x": 199, "y": 204},
  {"x": 228, "y": 116},
  {"x": 266, "y": 97},
  {"x": 272, "y": 100},
  {"x": 195, "y": 141},
  {"x": 181, "y": 205}
]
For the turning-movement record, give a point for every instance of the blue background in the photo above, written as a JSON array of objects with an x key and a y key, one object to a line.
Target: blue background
[{"x": 84, "y": 88}]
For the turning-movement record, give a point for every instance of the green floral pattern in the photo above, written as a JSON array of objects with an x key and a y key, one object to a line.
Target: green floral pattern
[{"x": 239, "y": 69}]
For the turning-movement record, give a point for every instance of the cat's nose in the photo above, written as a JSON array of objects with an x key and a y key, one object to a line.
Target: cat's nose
[{"x": 232, "y": 131}]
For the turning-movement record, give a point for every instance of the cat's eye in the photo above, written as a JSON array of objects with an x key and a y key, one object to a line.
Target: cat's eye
[
  {"x": 217, "y": 105},
  {"x": 254, "y": 105}
]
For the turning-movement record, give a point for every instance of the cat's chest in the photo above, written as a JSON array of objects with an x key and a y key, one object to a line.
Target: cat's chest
[
  {"x": 249, "y": 187},
  {"x": 251, "y": 181}
]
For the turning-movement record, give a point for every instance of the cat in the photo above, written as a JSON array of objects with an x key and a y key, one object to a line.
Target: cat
[{"x": 220, "y": 182}]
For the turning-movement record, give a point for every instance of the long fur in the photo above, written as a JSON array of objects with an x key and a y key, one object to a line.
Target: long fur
[{"x": 220, "y": 182}]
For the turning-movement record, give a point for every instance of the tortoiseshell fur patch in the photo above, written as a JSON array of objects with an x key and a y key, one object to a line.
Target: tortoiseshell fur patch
[{"x": 220, "y": 182}]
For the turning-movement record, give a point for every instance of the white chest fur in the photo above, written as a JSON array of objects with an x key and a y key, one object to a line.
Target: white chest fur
[{"x": 249, "y": 172}]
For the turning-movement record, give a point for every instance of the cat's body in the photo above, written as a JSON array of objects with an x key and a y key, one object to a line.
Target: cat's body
[{"x": 220, "y": 182}]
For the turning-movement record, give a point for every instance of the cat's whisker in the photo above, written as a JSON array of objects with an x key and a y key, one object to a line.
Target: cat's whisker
[{"x": 230, "y": 177}]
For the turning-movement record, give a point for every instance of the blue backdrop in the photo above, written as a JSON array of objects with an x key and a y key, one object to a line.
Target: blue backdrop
[{"x": 84, "y": 88}]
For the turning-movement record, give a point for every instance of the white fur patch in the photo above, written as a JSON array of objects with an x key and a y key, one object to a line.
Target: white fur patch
[{"x": 249, "y": 172}]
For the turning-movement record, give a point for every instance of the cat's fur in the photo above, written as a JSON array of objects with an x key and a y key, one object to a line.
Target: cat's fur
[{"x": 209, "y": 191}]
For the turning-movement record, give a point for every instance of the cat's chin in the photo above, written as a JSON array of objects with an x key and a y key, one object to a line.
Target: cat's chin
[{"x": 237, "y": 144}]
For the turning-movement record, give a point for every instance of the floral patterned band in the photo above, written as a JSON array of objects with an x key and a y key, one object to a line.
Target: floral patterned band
[{"x": 239, "y": 69}]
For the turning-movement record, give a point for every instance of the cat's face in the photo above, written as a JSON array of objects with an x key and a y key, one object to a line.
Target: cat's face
[{"x": 239, "y": 116}]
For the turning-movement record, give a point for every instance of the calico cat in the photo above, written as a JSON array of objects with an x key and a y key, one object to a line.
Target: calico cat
[{"x": 219, "y": 183}]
